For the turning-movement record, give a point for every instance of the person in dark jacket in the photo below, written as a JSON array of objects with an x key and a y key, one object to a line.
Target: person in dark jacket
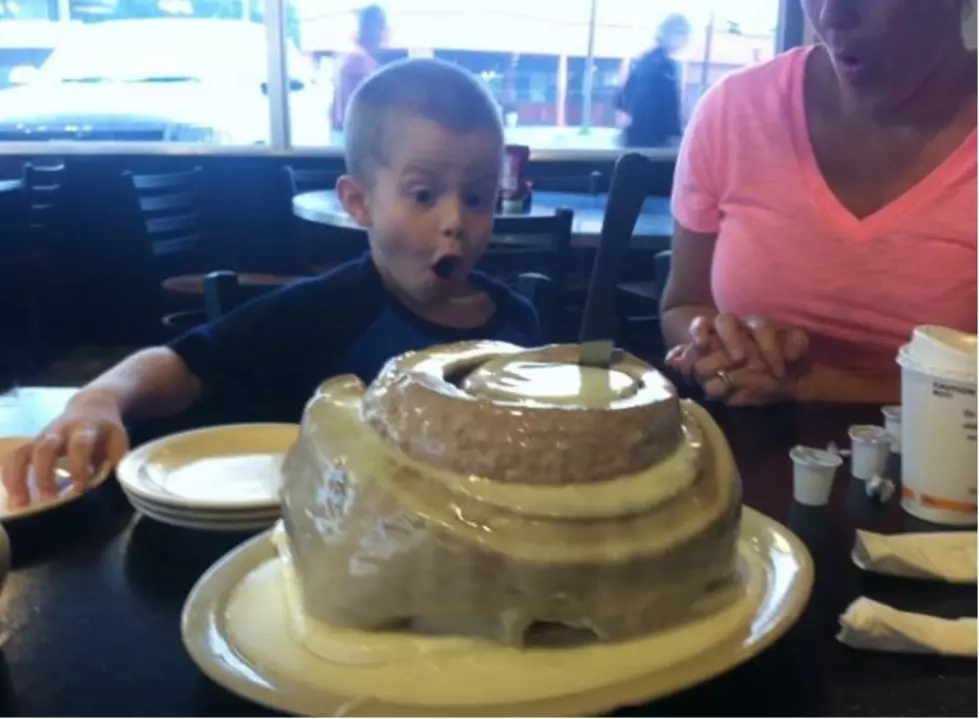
[
  {"x": 651, "y": 96},
  {"x": 362, "y": 62}
]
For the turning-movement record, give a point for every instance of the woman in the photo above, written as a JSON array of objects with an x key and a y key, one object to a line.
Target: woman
[
  {"x": 651, "y": 96},
  {"x": 360, "y": 64},
  {"x": 825, "y": 205}
]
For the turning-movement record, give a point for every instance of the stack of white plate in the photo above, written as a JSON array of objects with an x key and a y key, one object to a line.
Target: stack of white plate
[{"x": 223, "y": 478}]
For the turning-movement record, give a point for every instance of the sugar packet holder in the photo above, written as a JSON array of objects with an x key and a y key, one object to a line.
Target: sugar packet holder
[
  {"x": 941, "y": 556},
  {"x": 867, "y": 624}
]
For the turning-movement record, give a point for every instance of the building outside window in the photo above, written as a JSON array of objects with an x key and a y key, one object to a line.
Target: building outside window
[{"x": 196, "y": 71}]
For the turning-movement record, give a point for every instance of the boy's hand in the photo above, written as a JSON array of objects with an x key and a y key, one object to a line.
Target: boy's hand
[{"x": 89, "y": 432}]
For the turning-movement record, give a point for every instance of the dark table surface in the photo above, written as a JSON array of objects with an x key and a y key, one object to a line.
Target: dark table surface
[
  {"x": 654, "y": 227},
  {"x": 90, "y": 615}
]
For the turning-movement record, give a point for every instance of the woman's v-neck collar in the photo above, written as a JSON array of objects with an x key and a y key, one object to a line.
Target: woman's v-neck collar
[{"x": 859, "y": 228}]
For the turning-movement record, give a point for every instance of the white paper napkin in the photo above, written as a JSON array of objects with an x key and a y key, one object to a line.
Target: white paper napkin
[
  {"x": 948, "y": 556},
  {"x": 867, "y": 624}
]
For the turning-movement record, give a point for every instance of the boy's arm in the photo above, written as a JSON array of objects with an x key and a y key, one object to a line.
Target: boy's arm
[
  {"x": 267, "y": 356},
  {"x": 150, "y": 384},
  {"x": 253, "y": 355}
]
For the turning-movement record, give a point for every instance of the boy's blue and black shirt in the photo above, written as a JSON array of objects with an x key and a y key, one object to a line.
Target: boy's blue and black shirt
[{"x": 272, "y": 353}]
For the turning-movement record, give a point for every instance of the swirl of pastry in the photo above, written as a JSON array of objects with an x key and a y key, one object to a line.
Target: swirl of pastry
[{"x": 499, "y": 411}]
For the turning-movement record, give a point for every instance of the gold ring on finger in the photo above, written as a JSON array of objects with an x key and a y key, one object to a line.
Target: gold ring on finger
[{"x": 725, "y": 377}]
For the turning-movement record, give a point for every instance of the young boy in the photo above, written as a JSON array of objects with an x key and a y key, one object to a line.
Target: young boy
[{"x": 423, "y": 150}]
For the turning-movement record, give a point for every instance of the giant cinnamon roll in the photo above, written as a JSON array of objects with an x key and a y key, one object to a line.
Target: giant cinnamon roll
[{"x": 488, "y": 490}]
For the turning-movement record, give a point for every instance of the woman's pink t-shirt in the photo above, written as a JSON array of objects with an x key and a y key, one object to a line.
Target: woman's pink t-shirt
[{"x": 787, "y": 249}]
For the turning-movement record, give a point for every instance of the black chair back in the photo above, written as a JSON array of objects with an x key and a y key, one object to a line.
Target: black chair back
[
  {"x": 14, "y": 217},
  {"x": 626, "y": 195},
  {"x": 17, "y": 282},
  {"x": 540, "y": 246},
  {"x": 604, "y": 314},
  {"x": 317, "y": 248},
  {"x": 594, "y": 183},
  {"x": 307, "y": 180},
  {"x": 44, "y": 185},
  {"x": 169, "y": 215}
]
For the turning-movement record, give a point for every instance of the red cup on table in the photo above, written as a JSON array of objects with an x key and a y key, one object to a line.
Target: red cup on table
[{"x": 514, "y": 187}]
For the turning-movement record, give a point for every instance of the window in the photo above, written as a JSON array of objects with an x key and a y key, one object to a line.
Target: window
[
  {"x": 557, "y": 69},
  {"x": 138, "y": 70},
  {"x": 197, "y": 71}
]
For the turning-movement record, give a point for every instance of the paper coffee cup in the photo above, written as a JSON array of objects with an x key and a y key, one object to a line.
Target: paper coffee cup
[
  {"x": 938, "y": 426},
  {"x": 813, "y": 471},
  {"x": 870, "y": 446}
]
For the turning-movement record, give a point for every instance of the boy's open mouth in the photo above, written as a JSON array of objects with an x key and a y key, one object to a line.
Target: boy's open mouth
[{"x": 446, "y": 266}]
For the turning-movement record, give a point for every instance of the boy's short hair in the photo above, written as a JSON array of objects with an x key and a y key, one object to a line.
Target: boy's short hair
[{"x": 431, "y": 89}]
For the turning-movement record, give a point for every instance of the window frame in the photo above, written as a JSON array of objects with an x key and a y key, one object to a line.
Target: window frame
[{"x": 790, "y": 32}]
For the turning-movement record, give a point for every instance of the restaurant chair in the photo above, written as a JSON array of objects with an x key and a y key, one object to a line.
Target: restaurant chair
[
  {"x": 317, "y": 249},
  {"x": 526, "y": 245},
  {"x": 165, "y": 210},
  {"x": 45, "y": 190},
  {"x": 593, "y": 183},
  {"x": 43, "y": 187},
  {"x": 170, "y": 215},
  {"x": 308, "y": 180},
  {"x": 642, "y": 297},
  {"x": 639, "y": 293},
  {"x": 636, "y": 305},
  {"x": 176, "y": 245},
  {"x": 20, "y": 323}
]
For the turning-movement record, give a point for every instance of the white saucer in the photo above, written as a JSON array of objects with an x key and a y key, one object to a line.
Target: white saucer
[
  {"x": 66, "y": 492},
  {"x": 236, "y": 629},
  {"x": 229, "y": 468}
]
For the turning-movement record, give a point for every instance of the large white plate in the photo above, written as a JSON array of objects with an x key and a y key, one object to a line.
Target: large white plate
[
  {"x": 243, "y": 641},
  {"x": 65, "y": 494},
  {"x": 210, "y": 521},
  {"x": 231, "y": 467}
]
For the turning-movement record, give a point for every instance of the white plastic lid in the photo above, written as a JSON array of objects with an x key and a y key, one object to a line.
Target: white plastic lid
[
  {"x": 892, "y": 412},
  {"x": 868, "y": 434},
  {"x": 941, "y": 351},
  {"x": 812, "y": 457}
]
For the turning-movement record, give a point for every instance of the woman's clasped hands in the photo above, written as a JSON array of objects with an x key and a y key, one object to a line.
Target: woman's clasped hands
[{"x": 742, "y": 360}]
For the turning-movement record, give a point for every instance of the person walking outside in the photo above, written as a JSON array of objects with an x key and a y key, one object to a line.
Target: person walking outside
[
  {"x": 651, "y": 95},
  {"x": 362, "y": 62}
]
